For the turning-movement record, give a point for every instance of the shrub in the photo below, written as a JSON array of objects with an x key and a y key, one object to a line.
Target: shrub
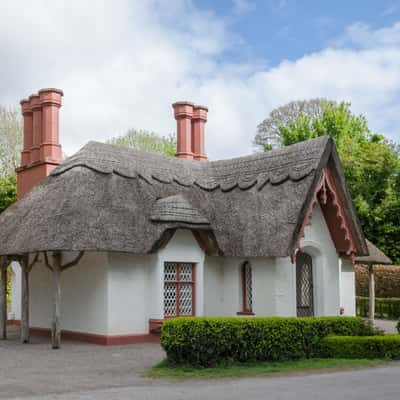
[
  {"x": 398, "y": 326},
  {"x": 387, "y": 346},
  {"x": 210, "y": 341},
  {"x": 388, "y": 308}
]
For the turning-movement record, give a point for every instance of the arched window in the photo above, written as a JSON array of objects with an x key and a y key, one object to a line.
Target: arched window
[{"x": 247, "y": 288}]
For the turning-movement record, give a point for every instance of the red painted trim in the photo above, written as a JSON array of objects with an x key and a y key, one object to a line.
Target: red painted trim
[
  {"x": 155, "y": 325},
  {"x": 98, "y": 339},
  {"x": 245, "y": 313},
  {"x": 178, "y": 283},
  {"x": 16, "y": 322},
  {"x": 93, "y": 338},
  {"x": 337, "y": 221}
]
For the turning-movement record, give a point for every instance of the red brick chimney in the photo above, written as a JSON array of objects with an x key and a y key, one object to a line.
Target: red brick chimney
[
  {"x": 42, "y": 150},
  {"x": 198, "y": 121},
  {"x": 190, "y": 121}
]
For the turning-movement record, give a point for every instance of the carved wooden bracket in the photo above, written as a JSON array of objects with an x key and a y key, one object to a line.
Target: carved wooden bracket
[
  {"x": 61, "y": 266},
  {"x": 335, "y": 216}
]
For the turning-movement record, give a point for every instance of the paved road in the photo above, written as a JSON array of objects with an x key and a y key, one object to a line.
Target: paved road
[{"x": 381, "y": 383}]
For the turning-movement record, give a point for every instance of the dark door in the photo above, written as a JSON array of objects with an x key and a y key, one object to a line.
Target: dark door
[{"x": 304, "y": 285}]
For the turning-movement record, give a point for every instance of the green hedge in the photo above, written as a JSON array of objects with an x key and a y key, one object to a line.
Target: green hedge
[
  {"x": 387, "y": 346},
  {"x": 210, "y": 341},
  {"x": 385, "y": 308}
]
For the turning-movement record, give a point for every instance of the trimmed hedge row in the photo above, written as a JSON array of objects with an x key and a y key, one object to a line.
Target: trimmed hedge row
[
  {"x": 210, "y": 341},
  {"x": 385, "y": 308},
  {"x": 387, "y": 346}
]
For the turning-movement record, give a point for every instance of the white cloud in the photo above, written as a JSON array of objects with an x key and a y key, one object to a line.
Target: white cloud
[
  {"x": 122, "y": 63},
  {"x": 241, "y": 7}
]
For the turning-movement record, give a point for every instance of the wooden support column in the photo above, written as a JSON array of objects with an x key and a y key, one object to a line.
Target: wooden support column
[
  {"x": 55, "y": 327},
  {"x": 26, "y": 268},
  {"x": 57, "y": 267},
  {"x": 3, "y": 297},
  {"x": 371, "y": 292}
]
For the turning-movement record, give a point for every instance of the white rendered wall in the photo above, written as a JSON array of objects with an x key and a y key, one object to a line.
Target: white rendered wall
[
  {"x": 347, "y": 287},
  {"x": 131, "y": 294},
  {"x": 272, "y": 286},
  {"x": 318, "y": 243},
  {"x": 83, "y": 295}
]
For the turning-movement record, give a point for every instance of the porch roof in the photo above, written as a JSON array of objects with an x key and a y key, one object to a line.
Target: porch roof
[{"x": 375, "y": 256}]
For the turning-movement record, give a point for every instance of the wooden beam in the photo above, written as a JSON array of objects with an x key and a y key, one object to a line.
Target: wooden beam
[
  {"x": 26, "y": 268},
  {"x": 371, "y": 292},
  {"x": 24, "y": 301},
  {"x": 55, "y": 328},
  {"x": 57, "y": 268},
  {"x": 3, "y": 297}
]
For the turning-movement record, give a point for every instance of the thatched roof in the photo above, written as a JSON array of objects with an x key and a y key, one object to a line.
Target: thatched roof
[
  {"x": 116, "y": 199},
  {"x": 375, "y": 256}
]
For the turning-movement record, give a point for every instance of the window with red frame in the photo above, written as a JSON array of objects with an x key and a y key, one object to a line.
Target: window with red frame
[
  {"x": 247, "y": 288},
  {"x": 179, "y": 289}
]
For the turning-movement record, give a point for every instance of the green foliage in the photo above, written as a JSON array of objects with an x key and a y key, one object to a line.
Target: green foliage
[
  {"x": 387, "y": 346},
  {"x": 210, "y": 341},
  {"x": 8, "y": 191},
  {"x": 371, "y": 165},
  {"x": 147, "y": 141},
  {"x": 398, "y": 326},
  {"x": 388, "y": 308},
  {"x": 11, "y": 137}
]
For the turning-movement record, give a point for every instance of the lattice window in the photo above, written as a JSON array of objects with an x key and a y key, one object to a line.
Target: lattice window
[
  {"x": 247, "y": 287},
  {"x": 179, "y": 282}
]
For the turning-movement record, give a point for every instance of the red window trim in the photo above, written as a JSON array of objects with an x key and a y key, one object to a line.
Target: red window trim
[
  {"x": 178, "y": 282},
  {"x": 245, "y": 310}
]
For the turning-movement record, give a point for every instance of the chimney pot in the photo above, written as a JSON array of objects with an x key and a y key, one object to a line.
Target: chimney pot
[
  {"x": 183, "y": 111},
  {"x": 198, "y": 121},
  {"x": 42, "y": 151},
  {"x": 28, "y": 131},
  {"x": 34, "y": 100},
  {"x": 50, "y": 100}
]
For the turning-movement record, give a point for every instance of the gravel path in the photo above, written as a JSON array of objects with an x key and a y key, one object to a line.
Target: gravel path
[
  {"x": 36, "y": 370},
  {"x": 386, "y": 325},
  {"x": 84, "y": 371}
]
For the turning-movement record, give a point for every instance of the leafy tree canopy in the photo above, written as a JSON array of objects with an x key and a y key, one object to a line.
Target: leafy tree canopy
[
  {"x": 8, "y": 191},
  {"x": 370, "y": 161},
  {"x": 147, "y": 141}
]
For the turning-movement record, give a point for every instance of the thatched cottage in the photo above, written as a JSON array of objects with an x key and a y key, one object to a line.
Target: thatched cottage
[{"x": 112, "y": 241}]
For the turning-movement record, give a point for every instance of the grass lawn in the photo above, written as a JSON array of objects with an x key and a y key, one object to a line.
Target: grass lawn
[{"x": 166, "y": 370}]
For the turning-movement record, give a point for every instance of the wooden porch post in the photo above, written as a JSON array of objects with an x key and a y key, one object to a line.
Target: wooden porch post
[
  {"x": 55, "y": 329},
  {"x": 57, "y": 267},
  {"x": 371, "y": 292},
  {"x": 24, "y": 302},
  {"x": 26, "y": 268},
  {"x": 3, "y": 298}
]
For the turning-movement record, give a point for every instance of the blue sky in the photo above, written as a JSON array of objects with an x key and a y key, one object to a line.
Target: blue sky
[
  {"x": 122, "y": 63},
  {"x": 274, "y": 30}
]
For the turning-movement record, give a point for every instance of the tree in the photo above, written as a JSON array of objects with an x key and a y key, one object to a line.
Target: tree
[
  {"x": 11, "y": 136},
  {"x": 8, "y": 191},
  {"x": 147, "y": 141},
  {"x": 268, "y": 131},
  {"x": 371, "y": 165}
]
